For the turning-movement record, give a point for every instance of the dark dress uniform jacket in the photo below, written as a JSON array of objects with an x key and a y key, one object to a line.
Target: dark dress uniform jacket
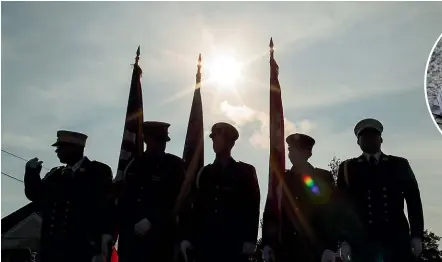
[
  {"x": 377, "y": 193},
  {"x": 152, "y": 184},
  {"x": 76, "y": 208},
  {"x": 306, "y": 229},
  {"x": 225, "y": 212}
]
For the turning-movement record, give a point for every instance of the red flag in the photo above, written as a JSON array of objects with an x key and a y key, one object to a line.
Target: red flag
[
  {"x": 272, "y": 213},
  {"x": 114, "y": 257},
  {"x": 132, "y": 144},
  {"x": 193, "y": 154}
]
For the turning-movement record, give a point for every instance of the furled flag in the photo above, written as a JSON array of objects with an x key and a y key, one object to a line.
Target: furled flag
[
  {"x": 193, "y": 154},
  {"x": 272, "y": 212},
  {"x": 132, "y": 144}
]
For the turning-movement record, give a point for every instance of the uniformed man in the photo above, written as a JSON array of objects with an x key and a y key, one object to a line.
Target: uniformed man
[
  {"x": 225, "y": 214},
  {"x": 307, "y": 232},
  {"x": 377, "y": 185},
  {"x": 75, "y": 201},
  {"x": 152, "y": 183}
]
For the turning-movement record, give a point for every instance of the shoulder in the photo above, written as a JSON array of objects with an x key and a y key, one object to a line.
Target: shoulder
[
  {"x": 397, "y": 159},
  {"x": 248, "y": 171},
  {"x": 101, "y": 169},
  {"x": 53, "y": 171},
  {"x": 171, "y": 158},
  {"x": 347, "y": 162},
  {"x": 247, "y": 167},
  {"x": 323, "y": 172},
  {"x": 100, "y": 166}
]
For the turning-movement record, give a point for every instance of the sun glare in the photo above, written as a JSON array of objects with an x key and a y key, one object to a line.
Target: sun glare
[{"x": 224, "y": 70}]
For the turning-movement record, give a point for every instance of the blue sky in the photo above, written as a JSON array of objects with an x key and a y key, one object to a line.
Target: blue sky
[{"x": 67, "y": 66}]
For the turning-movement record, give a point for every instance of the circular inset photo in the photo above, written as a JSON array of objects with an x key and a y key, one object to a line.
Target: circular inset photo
[{"x": 433, "y": 83}]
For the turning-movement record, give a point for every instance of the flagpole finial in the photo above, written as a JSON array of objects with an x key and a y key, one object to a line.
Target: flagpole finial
[
  {"x": 137, "y": 58},
  {"x": 271, "y": 43},
  {"x": 198, "y": 72}
]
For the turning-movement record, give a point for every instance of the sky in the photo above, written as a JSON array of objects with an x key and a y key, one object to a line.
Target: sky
[{"x": 68, "y": 66}]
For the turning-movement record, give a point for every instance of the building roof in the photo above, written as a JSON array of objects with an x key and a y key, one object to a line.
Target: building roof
[
  {"x": 21, "y": 229},
  {"x": 11, "y": 220}
]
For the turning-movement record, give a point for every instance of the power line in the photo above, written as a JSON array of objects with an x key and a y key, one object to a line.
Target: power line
[
  {"x": 5, "y": 174},
  {"x": 19, "y": 157}
]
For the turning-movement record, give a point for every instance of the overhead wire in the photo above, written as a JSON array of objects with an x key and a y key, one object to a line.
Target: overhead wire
[{"x": 19, "y": 157}]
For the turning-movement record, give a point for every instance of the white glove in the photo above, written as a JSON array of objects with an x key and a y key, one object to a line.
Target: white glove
[
  {"x": 106, "y": 246},
  {"x": 34, "y": 164},
  {"x": 328, "y": 256},
  {"x": 248, "y": 248},
  {"x": 268, "y": 254},
  {"x": 345, "y": 252},
  {"x": 184, "y": 247},
  {"x": 416, "y": 246},
  {"x": 142, "y": 227}
]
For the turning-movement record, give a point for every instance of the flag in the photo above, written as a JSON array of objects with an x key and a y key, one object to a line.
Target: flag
[
  {"x": 193, "y": 154},
  {"x": 132, "y": 144},
  {"x": 277, "y": 155}
]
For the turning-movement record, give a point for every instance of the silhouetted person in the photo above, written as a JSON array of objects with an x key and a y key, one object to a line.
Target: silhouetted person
[
  {"x": 377, "y": 185},
  {"x": 310, "y": 231},
  {"x": 151, "y": 186},
  {"x": 223, "y": 222},
  {"x": 75, "y": 201}
]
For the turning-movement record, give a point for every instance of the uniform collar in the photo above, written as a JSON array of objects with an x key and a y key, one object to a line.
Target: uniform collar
[
  {"x": 307, "y": 165},
  {"x": 377, "y": 156},
  {"x": 228, "y": 163},
  {"x": 77, "y": 165}
]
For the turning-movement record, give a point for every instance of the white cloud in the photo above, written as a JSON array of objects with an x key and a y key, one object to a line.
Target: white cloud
[{"x": 242, "y": 115}]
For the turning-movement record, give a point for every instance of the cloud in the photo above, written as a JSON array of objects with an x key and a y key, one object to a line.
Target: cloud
[{"x": 243, "y": 115}]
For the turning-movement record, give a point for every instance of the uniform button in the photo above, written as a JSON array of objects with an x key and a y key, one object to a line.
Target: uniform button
[
  {"x": 67, "y": 210},
  {"x": 385, "y": 196},
  {"x": 138, "y": 200},
  {"x": 385, "y": 189},
  {"x": 216, "y": 199},
  {"x": 52, "y": 217},
  {"x": 369, "y": 206},
  {"x": 369, "y": 191},
  {"x": 294, "y": 233},
  {"x": 52, "y": 225},
  {"x": 370, "y": 213},
  {"x": 67, "y": 202},
  {"x": 297, "y": 198},
  {"x": 141, "y": 188},
  {"x": 370, "y": 222},
  {"x": 368, "y": 197},
  {"x": 217, "y": 187},
  {"x": 216, "y": 211},
  {"x": 385, "y": 204}
]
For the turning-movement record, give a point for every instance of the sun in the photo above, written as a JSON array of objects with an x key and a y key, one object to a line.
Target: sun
[{"x": 224, "y": 70}]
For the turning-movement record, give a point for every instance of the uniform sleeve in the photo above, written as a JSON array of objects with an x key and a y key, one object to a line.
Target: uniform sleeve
[
  {"x": 348, "y": 224},
  {"x": 413, "y": 199},
  {"x": 107, "y": 201},
  {"x": 186, "y": 212},
  {"x": 34, "y": 184},
  {"x": 342, "y": 181},
  {"x": 252, "y": 198}
]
